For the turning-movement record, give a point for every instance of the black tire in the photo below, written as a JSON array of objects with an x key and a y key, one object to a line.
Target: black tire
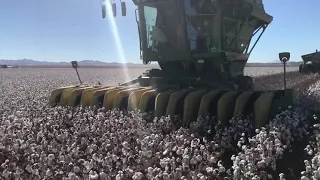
[
  {"x": 301, "y": 68},
  {"x": 153, "y": 73},
  {"x": 314, "y": 70},
  {"x": 305, "y": 69},
  {"x": 245, "y": 83}
]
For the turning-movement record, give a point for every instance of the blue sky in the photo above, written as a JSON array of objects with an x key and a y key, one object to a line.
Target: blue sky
[{"x": 65, "y": 30}]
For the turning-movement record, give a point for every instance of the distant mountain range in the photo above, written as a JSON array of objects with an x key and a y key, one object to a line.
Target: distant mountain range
[
  {"x": 95, "y": 63},
  {"x": 83, "y": 63}
]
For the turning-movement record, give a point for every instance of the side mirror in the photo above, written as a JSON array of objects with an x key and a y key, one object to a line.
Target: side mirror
[
  {"x": 123, "y": 8},
  {"x": 74, "y": 64},
  {"x": 114, "y": 9},
  {"x": 284, "y": 56},
  {"x": 104, "y": 10}
]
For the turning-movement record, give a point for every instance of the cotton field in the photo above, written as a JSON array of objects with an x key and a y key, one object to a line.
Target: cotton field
[{"x": 38, "y": 142}]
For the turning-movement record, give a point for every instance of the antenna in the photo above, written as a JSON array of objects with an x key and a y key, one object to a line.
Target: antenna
[{"x": 75, "y": 66}]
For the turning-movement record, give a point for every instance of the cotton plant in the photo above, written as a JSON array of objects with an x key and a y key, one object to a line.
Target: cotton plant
[{"x": 39, "y": 142}]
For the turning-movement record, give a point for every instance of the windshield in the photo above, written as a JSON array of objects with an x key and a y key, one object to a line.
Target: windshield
[
  {"x": 164, "y": 28},
  {"x": 150, "y": 15},
  {"x": 208, "y": 31}
]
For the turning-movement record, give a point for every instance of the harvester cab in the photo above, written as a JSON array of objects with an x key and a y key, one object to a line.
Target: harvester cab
[
  {"x": 202, "y": 47},
  {"x": 311, "y": 63},
  {"x": 199, "y": 42}
]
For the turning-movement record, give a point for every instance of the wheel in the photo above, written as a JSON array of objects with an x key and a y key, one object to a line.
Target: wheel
[
  {"x": 245, "y": 83},
  {"x": 153, "y": 73},
  {"x": 301, "y": 68},
  {"x": 305, "y": 69},
  {"x": 314, "y": 69}
]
